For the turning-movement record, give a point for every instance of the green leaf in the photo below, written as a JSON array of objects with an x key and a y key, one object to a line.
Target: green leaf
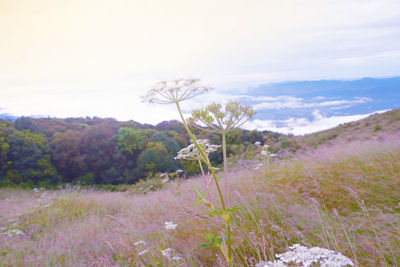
[
  {"x": 233, "y": 209},
  {"x": 197, "y": 191},
  {"x": 216, "y": 212},
  {"x": 204, "y": 246}
]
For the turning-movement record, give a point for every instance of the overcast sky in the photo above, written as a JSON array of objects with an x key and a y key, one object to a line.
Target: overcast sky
[{"x": 95, "y": 58}]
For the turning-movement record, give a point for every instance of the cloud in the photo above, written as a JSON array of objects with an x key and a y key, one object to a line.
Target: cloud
[
  {"x": 281, "y": 102},
  {"x": 301, "y": 126}
]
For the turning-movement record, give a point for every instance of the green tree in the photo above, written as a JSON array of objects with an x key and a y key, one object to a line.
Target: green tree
[{"x": 155, "y": 159}]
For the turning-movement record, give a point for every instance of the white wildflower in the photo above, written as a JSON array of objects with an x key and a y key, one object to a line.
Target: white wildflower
[
  {"x": 307, "y": 256},
  {"x": 36, "y": 190},
  {"x": 256, "y": 168},
  {"x": 263, "y": 153},
  {"x": 14, "y": 232},
  {"x": 271, "y": 264},
  {"x": 179, "y": 171},
  {"x": 272, "y": 155},
  {"x": 257, "y": 143},
  {"x": 169, "y": 225},
  {"x": 140, "y": 242},
  {"x": 166, "y": 252},
  {"x": 167, "y": 92},
  {"x": 265, "y": 146},
  {"x": 192, "y": 153},
  {"x": 176, "y": 258},
  {"x": 143, "y": 252},
  {"x": 165, "y": 180},
  {"x": 162, "y": 175}
]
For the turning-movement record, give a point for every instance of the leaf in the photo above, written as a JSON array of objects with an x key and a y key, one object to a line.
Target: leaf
[
  {"x": 216, "y": 212},
  {"x": 197, "y": 191},
  {"x": 233, "y": 209},
  {"x": 204, "y": 246}
]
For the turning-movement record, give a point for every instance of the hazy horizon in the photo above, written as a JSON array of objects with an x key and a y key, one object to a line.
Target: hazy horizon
[{"x": 96, "y": 58}]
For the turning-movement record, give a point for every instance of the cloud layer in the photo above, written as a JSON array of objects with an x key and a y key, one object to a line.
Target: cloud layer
[{"x": 301, "y": 126}]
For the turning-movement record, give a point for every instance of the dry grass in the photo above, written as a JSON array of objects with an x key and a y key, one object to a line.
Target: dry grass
[{"x": 345, "y": 198}]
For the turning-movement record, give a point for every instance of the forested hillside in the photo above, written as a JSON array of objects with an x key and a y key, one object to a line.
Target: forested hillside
[{"x": 49, "y": 151}]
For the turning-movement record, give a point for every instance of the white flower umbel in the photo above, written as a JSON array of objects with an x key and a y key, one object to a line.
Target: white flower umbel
[
  {"x": 143, "y": 252},
  {"x": 271, "y": 264},
  {"x": 176, "y": 258},
  {"x": 167, "y": 92},
  {"x": 140, "y": 242},
  {"x": 167, "y": 252},
  {"x": 307, "y": 256},
  {"x": 192, "y": 153},
  {"x": 170, "y": 225}
]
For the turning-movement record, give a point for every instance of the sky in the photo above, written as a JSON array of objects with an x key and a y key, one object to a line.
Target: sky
[{"x": 73, "y": 58}]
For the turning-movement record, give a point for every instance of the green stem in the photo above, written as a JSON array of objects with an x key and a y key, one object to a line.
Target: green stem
[
  {"x": 207, "y": 161},
  {"x": 203, "y": 155},
  {"x": 225, "y": 167},
  {"x": 202, "y": 172}
]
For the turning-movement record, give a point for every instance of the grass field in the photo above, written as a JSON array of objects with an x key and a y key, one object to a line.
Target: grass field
[{"x": 345, "y": 198}]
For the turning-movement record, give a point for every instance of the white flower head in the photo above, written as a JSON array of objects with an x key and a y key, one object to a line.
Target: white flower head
[
  {"x": 165, "y": 180},
  {"x": 169, "y": 225},
  {"x": 167, "y": 92},
  {"x": 179, "y": 171},
  {"x": 167, "y": 252},
  {"x": 176, "y": 258},
  {"x": 263, "y": 153},
  {"x": 140, "y": 242},
  {"x": 257, "y": 143},
  {"x": 143, "y": 252},
  {"x": 308, "y": 256},
  {"x": 192, "y": 153}
]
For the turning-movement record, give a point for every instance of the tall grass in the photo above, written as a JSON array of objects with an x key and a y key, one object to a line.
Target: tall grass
[{"x": 344, "y": 198}]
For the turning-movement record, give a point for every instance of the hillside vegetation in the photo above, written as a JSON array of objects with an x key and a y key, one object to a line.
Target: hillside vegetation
[
  {"x": 341, "y": 196},
  {"x": 374, "y": 127}
]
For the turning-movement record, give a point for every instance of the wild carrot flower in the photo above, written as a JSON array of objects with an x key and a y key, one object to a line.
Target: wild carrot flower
[
  {"x": 192, "y": 153},
  {"x": 143, "y": 252},
  {"x": 307, "y": 256},
  {"x": 166, "y": 252},
  {"x": 167, "y": 92},
  {"x": 169, "y": 225},
  {"x": 140, "y": 242},
  {"x": 176, "y": 258}
]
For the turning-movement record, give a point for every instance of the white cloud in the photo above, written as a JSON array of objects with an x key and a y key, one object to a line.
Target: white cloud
[
  {"x": 281, "y": 102},
  {"x": 301, "y": 126}
]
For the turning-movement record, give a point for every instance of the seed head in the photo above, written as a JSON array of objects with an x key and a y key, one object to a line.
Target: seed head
[{"x": 167, "y": 92}]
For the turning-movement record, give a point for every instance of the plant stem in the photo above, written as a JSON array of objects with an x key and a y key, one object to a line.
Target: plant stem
[
  {"x": 203, "y": 155},
  {"x": 225, "y": 167},
  {"x": 207, "y": 161}
]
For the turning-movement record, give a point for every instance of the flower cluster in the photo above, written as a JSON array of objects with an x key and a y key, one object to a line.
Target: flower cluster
[
  {"x": 170, "y": 225},
  {"x": 307, "y": 256},
  {"x": 192, "y": 153},
  {"x": 222, "y": 120},
  {"x": 167, "y": 92}
]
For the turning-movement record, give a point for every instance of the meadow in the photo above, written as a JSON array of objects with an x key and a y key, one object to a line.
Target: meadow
[{"x": 344, "y": 198}]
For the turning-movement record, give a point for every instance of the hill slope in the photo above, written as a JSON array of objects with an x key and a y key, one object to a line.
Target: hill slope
[
  {"x": 343, "y": 197},
  {"x": 374, "y": 127}
]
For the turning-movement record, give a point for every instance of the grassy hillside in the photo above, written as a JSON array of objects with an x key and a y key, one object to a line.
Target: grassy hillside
[
  {"x": 374, "y": 127},
  {"x": 344, "y": 198}
]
